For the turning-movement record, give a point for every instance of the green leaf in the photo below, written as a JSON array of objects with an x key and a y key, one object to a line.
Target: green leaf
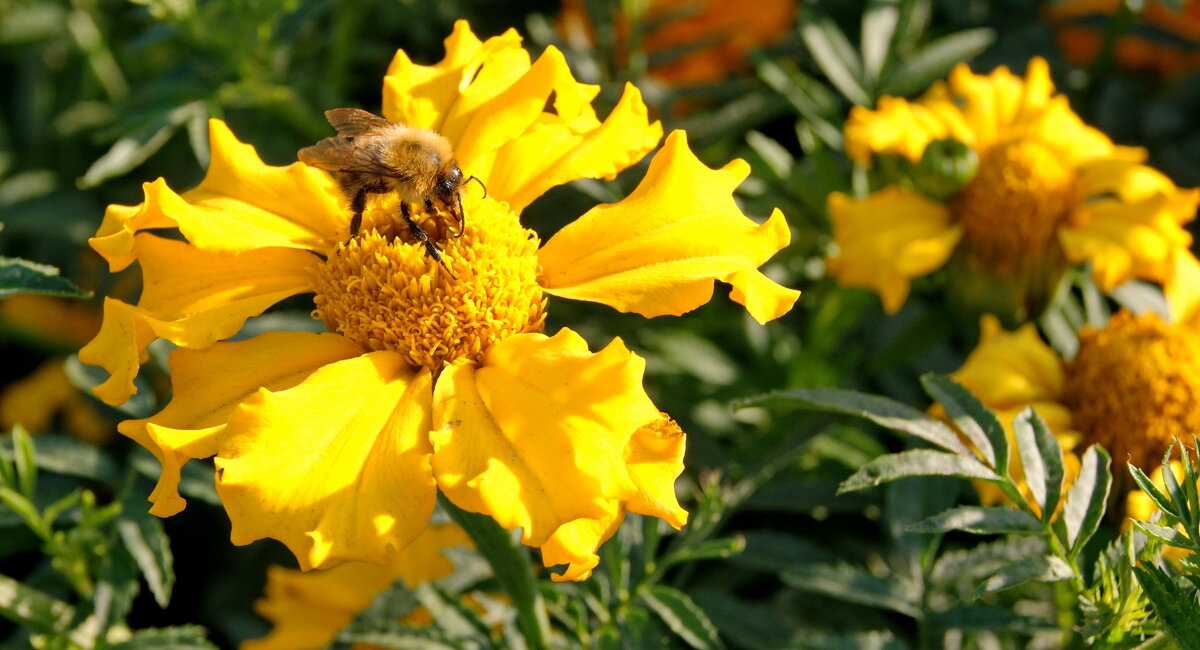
[
  {"x": 1167, "y": 535},
  {"x": 24, "y": 509},
  {"x": 33, "y": 609},
  {"x": 851, "y": 584},
  {"x": 713, "y": 549},
  {"x": 885, "y": 412},
  {"x": 1175, "y": 607},
  {"x": 1040, "y": 568},
  {"x": 24, "y": 455},
  {"x": 971, "y": 417},
  {"x": 915, "y": 462},
  {"x": 1042, "y": 460},
  {"x": 834, "y": 54},
  {"x": 512, "y": 569},
  {"x": 392, "y": 635},
  {"x": 878, "y": 26},
  {"x": 1161, "y": 500},
  {"x": 147, "y": 542},
  {"x": 684, "y": 617},
  {"x": 184, "y": 637},
  {"x": 809, "y": 97},
  {"x": 935, "y": 60},
  {"x": 987, "y": 617},
  {"x": 452, "y": 616},
  {"x": 24, "y": 276},
  {"x": 980, "y": 520},
  {"x": 1088, "y": 497},
  {"x": 65, "y": 455},
  {"x": 115, "y": 588}
]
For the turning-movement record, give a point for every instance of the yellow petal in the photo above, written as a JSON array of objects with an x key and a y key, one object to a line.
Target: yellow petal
[
  {"x": 308, "y": 609},
  {"x": 208, "y": 384},
  {"x": 192, "y": 298},
  {"x": 1124, "y": 241},
  {"x": 1012, "y": 369},
  {"x": 1183, "y": 290},
  {"x": 535, "y": 435},
  {"x": 658, "y": 251},
  {"x": 489, "y": 101},
  {"x": 887, "y": 239},
  {"x": 575, "y": 544},
  {"x": 655, "y": 459},
  {"x": 336, "y": 468},
  {"x": 242, "y": 204}
]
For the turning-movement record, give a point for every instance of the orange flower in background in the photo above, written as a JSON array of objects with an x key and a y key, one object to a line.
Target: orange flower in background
[
  {"x": 691, "y": 42},
  {"x": 337, "y": 443},
  {"x": 1161, "y": 39}
]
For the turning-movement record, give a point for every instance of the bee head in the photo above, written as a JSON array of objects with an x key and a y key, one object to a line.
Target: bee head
[{"x": 448, "y": 186}]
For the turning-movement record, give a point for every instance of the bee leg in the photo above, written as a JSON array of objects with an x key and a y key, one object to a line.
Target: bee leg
[
  {"x": 357, "y": 204},
  {"x": 419, "y": 233}
]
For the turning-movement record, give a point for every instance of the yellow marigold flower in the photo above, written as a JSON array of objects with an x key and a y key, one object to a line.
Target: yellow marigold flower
[
  {"x": 308, "y": 609},
  {"x": 1047, "y": 191},
  {"x": 337, "y": 443},
  {"x": 1161, "y": 40},
  {"x": 1133, "y": 386}
]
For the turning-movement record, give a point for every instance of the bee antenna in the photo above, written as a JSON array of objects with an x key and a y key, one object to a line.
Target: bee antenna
[{"x": 473, "y": 178}]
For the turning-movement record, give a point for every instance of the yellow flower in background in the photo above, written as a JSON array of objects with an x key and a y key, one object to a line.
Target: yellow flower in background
[
  {"x": 1161, "y": 39},
  {"x": 1133, "y": 386},
  {"x": 1048, "y": 191},
  {"x": 46, "y": 398},
  {"x": 307, "y": 610},
  {"x": 337, "y": 443}
]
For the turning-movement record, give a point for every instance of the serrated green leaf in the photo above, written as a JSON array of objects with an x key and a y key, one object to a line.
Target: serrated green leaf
[
  {"x": 834, "y": 55},
  {"x": 935, "y": 60},
  {"x": 981, "y": 520},
  {"x": 850, "y": 584},
  {"x": 1165, "y": 534},
  {"x": 977, "y": 562},
  {"x": 184, "y": 637},
  {"x": 1041, "y": 459},
  {"x": 1041, "y": 568},
  {"x": 1088, "y": 497},
  {"x": 880, "y": 410},
  {"x": 1156, "y": 495},
  {"x": 147, "y": 542},
  {"x": 24, "y": 276},
  {"x": 683, "y": 616},
  {"x": 399, "y": 637},
  {"x": 33, "y": 609},
  {"x": 915, "y": 462},
  {"x": 116, "y": 587},
  {"x": 1175, "y": 607},
  {"x": 976, "y": 421}
]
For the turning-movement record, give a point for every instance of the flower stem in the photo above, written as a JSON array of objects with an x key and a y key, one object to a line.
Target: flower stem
[{"x": 512, "y": 569}]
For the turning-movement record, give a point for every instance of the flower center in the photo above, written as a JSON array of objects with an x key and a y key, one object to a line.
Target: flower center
[
  {"x": 1134, "y": 387},
  {"x": 385, "y": 293},
  {"x": 1013, "y": 206}
]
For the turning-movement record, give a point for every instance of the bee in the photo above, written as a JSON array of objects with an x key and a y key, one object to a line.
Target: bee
[{"x": 371, "y": 155}]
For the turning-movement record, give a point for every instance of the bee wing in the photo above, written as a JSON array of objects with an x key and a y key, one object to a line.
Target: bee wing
[
  {"x": 340, "y": 155},
  {"x": 351, "y": 122}
]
